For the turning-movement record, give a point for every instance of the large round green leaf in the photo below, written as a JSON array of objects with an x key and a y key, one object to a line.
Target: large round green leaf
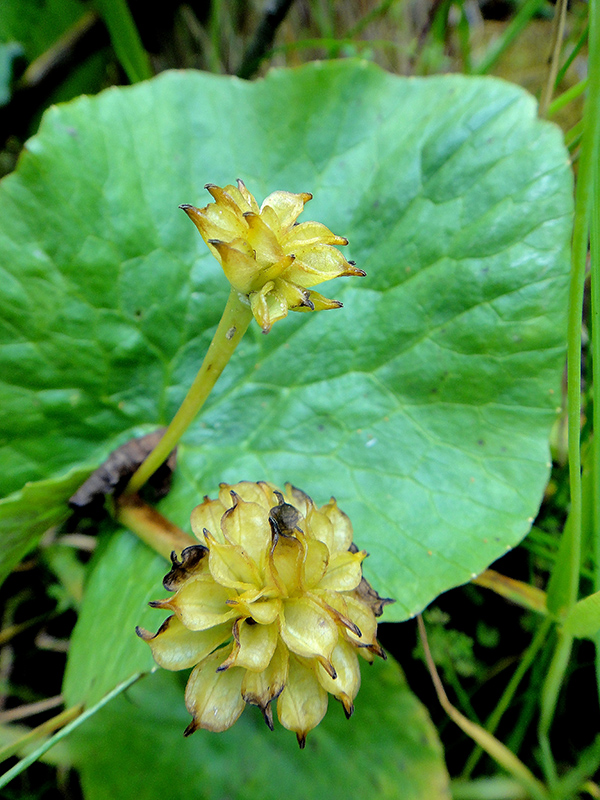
[
  {"x": 134, "y": 747},
  {"x": 424, "y": 405},
  {"x": 129, "y": 749}
]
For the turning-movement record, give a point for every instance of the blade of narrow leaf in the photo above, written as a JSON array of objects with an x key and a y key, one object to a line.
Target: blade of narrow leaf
[
  {"x": 125, "y": 39},
  {"x": 583, "y": 619},
  {"x": 388, "y": 749}
]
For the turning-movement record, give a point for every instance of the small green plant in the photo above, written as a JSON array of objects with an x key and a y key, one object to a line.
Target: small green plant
[{"x": 424, "y": 407}]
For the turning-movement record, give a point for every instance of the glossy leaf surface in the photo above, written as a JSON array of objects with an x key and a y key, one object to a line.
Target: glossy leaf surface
[
  {"x": 424, "y": 405},
  {"x": 135, "y": 748}
]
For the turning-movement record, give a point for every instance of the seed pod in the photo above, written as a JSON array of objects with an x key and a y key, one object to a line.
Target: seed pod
[
  {"x": 266, "y": 255},
  {"x": 279, "y": 584}
]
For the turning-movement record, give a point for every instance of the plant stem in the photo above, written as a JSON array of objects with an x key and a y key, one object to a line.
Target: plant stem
[
  {"x": 234, "y": 322},
  {"x": 494, "y": 719},
  {"x": 499, "y": 752},
  {"x": 151, "y": 527},
  {"x": 125, "y": 39},
  {"x": 77, "y": 718},
  {"x": 566, "y": 97},
  {"x": 516, "y": 26},
  {"x": 572, "y": 532},
  {"x": 215, "y": 23},
  {"x": 549, "y": 697},
  {"x": 573, "y": 54},
  {"x": 595, "y": 326},
  {"x": 560, "y": 17}
]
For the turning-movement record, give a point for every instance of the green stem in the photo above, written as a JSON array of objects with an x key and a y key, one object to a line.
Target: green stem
[
  {"x": 572, "y": 552},
  {"x": 234, "y": 322},
  {"x": 491, "y": 745},
  {"x": 79, "y": 718},
  {"x": 549, "y": 698},
  {"x": 514, "y": 29},
  {"x": 125, "y": 39},
  {"x": 584, "y": 194},
  {"x": 595, "y": 325},
  {"x": 464, "y": 40},
  {"x": 494, "y": 719},
  {"x": 573, "y": 135},
  {"x": 567, "y": 97},
  {"x": 573, "y": 54},
  {"x": 216, "y": 14}
]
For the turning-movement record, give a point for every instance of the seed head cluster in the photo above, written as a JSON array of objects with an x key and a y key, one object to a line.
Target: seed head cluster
[
  {"x": 266, "y": 255},
  {"x": 270, "y": 605}
]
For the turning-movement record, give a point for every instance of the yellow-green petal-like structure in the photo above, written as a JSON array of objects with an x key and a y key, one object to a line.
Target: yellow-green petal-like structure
[
  {"x": 267, "y": 257},
  {"x": 271, "y": 604}
]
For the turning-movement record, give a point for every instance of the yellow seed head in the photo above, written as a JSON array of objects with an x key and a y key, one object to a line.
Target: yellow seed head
[
  {"x": 266, "y": 255},
  {"x": 271, "y": 604}
]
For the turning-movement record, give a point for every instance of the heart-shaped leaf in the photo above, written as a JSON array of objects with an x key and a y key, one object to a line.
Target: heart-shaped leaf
[
  {"x": 424, "y": 405},
  {"x": 134, "y": 747}
]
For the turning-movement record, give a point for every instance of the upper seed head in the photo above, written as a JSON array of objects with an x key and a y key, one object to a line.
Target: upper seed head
[{"x": 266, "y": 255}]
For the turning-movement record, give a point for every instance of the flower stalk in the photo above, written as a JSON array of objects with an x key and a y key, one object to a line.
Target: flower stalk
[
  {"x": 150, "y": 526},
  {"x": 271, "y": 262},
  {"x": 234, "y": 323}
]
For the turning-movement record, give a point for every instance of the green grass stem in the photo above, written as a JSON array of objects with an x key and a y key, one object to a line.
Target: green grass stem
[
  {"x": 525, "y": 662},
  {"x": 514, "y": 29},
  {"x": 573, "y": 135},
  {"x": 215, "y": 26},
  {"x": 595, "y": 326},
  {"x": 571, "y": 548},
  {"x": 566, "y": 97},
  {"x": 548, "y": 699},
  {"x": 572, "y": 55},
  {"x": 26, "y": 762},
  {"x": 125, "y": 39}
]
